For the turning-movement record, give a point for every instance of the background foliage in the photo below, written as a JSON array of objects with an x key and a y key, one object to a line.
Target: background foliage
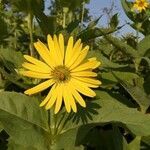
[{"x": 116, "y": 119}]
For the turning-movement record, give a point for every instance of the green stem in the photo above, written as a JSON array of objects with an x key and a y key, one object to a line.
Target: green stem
[
  {"x": 52, "y": 126},
  {"x": 30, "y": 27},
  {"x": 59, "y": 123},
  {"x": 64, "y": 20},
  {"x": 137, "y": 36},
  {"x": 65, "y": 10},
  {"x": 52, "y": 121},
  {"x": 15, "y": 43},
  {"x": 82, "y": 13}
]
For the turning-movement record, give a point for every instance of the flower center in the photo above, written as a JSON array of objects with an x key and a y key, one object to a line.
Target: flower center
[
  {"x": 61, "y": 73},
  {"x": 141, "y": 4}
]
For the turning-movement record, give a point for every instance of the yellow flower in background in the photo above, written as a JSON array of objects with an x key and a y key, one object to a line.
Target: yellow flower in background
[
  {"x": 140, "y": 5},
  {"x": 65, "y": 70}
]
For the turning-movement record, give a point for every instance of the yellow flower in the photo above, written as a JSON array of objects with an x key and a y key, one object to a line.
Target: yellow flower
[
  {"x": 64, "y": 70},
  {"x": 140, "y": 5}
]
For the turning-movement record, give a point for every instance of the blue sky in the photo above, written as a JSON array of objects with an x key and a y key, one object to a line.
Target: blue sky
[{"x": 96, "y": 9}]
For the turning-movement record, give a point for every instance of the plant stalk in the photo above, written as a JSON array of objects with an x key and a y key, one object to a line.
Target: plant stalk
[
  {"x": 82, "y": 12},
  {"x": 30, "y": 27},
  {"x": 65, "y": 10},
  {"x": 52, "y": 121},
  {"x": 52, "y": 125}
]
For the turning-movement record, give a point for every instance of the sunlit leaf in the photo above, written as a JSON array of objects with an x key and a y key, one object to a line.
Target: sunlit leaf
[
  {"x": 144, "y": 45},
  {"x": 114, "y": 21},
  {"x": 24, "y": 121},
  {"x": 137, "y": 93}
]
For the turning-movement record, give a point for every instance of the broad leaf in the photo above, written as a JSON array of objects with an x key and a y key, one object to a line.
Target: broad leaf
[
  {"x": 109, "y": 78},
  {"x": 137, "y": 93},
  {"x": 28, "y": 6},
  {"x": 105, "y": 139},
  {"x": 114, "y": 21},
  {"x": 3, "y": 29},
  {"x": 24, "y": 121},
  {"x": 144, "y": 45},
  {"x": 13, "y": 146},
  {"x": 92, "y": 24},
  {"x": 120, "y": 45},
  {"x": 1, "y": 127},
  {"x": 92, "y": 33},
  {"x": 108, "y": 108},
  {"x": 46, "y": 23},
  {"x": 135, "y": 144},
  {"x": 11, "y": 57},
  {"x": 67, "y": 141}
]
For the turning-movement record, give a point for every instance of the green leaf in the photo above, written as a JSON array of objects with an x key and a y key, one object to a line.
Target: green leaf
[
  {"x": 28, "y": 6},
  {"x": 135, "y": 144},
  {"x": 93, "y": 23},
  {"x": 108, "y": 108},
  {"x": 67, "y": 141},
  {"x": 144, "y": 45},
  {"x": 1, "y": 127},
  {"x": 146, "y": 140},
  {"x": 24, "y": 120},
  {"x": 147, "y": 60},
  {"x": 146, "y": 26},
  {"x": 137, "y": 93},
  {"x": 11, "y": 57},
  {"x": 105, "y": 139},
  {"x": 127, "y": 9},
  {"x": 109, "y": 78},
  {"x": 114, "y": 21},
  {"x": 120, "y": 45},
  {"x": 47, "y": 23},
  {"x": 113, "y": 111},
  {"x": 74, "y": 25},
  {"x": 3, "y": 29},
  {"x": 13, "y": 146},
  {"x": 92, "y": 33}
]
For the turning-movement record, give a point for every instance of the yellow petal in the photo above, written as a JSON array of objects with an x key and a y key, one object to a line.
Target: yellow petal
[
  {"x": 72, "y": 52},
  {"x": 58, "y": 99},
  {"x": 47, "y": 98},
  {"x": 44, "y": 53},
  {"x": 58, "y": 51},
  {"x": 82, "y": 88},
  {"x": 40, "y": 87},
  {"x": 84, "y": 74},
  {"x": 77, "y": 97},
  {"x": 66, "y": 98},
  {"x": 36, "y": 68},
  {"x": 71, "y": 98},
  {"x": 94, "y": 59},
  {"x": 53, "y": 53},
  {"x": 89, "y": 80},
  {"x": 91, "y": 85},
  {"x": 33, "y": 74},
  {"x": 75, "y": 56},
  {"x": 86, "y": 66},
  {"x": 80, "y": 58},
  {"x": 36, "y": 62},
  {"x": 69, "y": 48},
  {"x": 53, "y": 99},
  {"x": 61, "y": 44}
]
